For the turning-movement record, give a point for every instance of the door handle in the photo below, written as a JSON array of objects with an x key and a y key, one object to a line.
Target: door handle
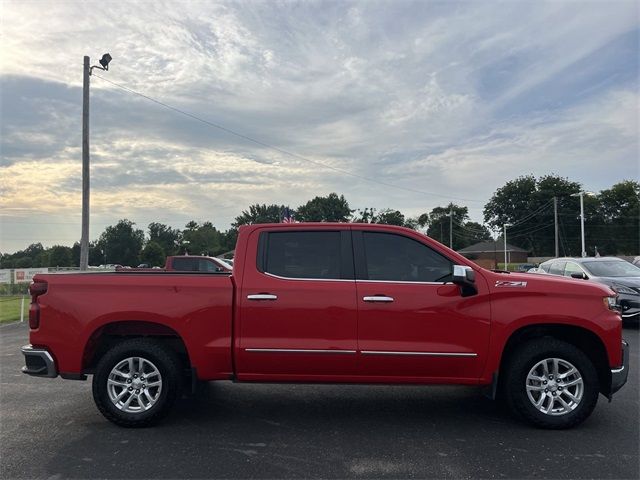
[
  {"x": 262, "y": 296},
  {"x": 378, "y": 298}
]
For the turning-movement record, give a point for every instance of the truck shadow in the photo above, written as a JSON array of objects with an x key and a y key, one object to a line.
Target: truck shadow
[
  {"x": 319, "y": 431},
  {"x": 259, "y": 431}
]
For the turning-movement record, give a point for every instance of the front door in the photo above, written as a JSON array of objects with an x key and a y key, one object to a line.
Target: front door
[
  {"x": 414, "y": 323},
  {"x": 298, "y": 311}
]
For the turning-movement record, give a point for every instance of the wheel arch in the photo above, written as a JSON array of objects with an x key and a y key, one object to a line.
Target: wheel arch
[
  {"x": 107, "y": 335},
  {"x": 584, "y": 339}
]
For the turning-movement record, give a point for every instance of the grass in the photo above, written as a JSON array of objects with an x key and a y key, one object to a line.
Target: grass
[{"x": 10, "y": 308}]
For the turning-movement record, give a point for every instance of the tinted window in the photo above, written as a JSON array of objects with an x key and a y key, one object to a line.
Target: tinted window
[
  {"x": 194, "y": 265},
  {"x": 545, "y": 267},
  {"x": 572, "y": 268},
  {"x": 186, "y": 264},
  {"x": 398, "y": 258},
  {"x": 303, "y": 254},
  {"x": 612, "y": 268},
  {"x": 557, "y": 268}
]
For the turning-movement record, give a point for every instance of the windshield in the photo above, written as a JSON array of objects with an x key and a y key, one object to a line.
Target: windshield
[{"x": 612, "y": 269}]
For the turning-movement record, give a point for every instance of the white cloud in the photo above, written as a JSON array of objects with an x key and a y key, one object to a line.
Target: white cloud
[{"x": 447, "y": 98}]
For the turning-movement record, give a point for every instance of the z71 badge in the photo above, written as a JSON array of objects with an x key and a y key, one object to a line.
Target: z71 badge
[{"x": 507, "y": 283}]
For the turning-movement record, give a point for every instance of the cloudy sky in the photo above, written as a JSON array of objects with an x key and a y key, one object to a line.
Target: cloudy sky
[{"x": 443, "y": 101}]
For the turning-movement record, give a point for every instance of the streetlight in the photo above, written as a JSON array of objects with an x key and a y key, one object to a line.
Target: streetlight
[
  {"x": 505, "y": 246},
  {"x": 581, "y": 194},
  {"x": 84, "y": 239}
]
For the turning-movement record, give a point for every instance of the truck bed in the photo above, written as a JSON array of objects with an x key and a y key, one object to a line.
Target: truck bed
[{"x": 196, "y": 306}]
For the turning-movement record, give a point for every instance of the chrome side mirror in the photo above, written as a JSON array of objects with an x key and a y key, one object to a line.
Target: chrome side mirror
[{"x": 465, "y": 277}]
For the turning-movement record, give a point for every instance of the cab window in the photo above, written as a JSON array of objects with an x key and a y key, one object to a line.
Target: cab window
[{"x": 394, "y": 257}]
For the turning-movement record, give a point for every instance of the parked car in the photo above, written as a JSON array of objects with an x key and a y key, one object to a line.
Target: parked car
[
  {"x": 187, "y": 263},
  {"x": 535, "y": 270},
  {"x": 197, "y": 263},
  {"x": 330, "y": 302},
  {"x": 622, "y": 276}
]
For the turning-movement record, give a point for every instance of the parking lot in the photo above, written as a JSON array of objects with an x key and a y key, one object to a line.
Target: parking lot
[{"x": 51, "y": 429}]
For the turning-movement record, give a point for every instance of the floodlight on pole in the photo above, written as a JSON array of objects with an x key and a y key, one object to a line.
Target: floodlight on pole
[
  {"x": 581, "y": 194},
  {"x": 84, "y": 239}
]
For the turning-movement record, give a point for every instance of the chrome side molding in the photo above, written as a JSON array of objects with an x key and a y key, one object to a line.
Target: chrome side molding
[
  {"x": 428, "y": 354},
  {"x": 297, "y": 350}
]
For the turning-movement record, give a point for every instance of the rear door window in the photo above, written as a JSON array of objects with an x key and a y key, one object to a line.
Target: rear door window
[
  {"x": 557, "y": 268},
  {"x": 303, "y": 254}
]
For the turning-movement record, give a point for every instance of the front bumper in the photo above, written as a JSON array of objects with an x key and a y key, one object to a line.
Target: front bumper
[
  {"x": 39, "y": 362},
  {"x": 619, "y": 375},
  {"x": 629, "y": 307}
]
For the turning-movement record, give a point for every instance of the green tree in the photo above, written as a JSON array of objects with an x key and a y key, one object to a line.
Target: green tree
[
  {"x": 153, "y": 254},
  {"x": 23, "y": 262},
  {"x": 166, "y": 237},
  {"x": 476, "y": 233},
  {"x": 439, "y": 223},
  {"x": 332, "y": 208},
  {"x": 619, "y": 229},
  {"x": 388, "y": 216},
  {"x": 259, "y": 214},
  {"x": 122, "y": 243},
  {"x": 60, "y": 256},
  {"x": 202, "y": 239},
  {"x": 366, "y": 215},
  {"x": 526, "y": 206},
  {"x": 391, "y": 217},
  {"x": 97, "y": 254}
]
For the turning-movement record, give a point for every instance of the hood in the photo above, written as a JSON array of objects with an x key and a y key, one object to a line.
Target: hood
[
  {"x": 546, "y": 283},
  {"x": 626, "y": 281}
]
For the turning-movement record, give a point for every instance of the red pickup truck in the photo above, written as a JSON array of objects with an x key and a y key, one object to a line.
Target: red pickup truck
[{"x": 353, "y": 303}]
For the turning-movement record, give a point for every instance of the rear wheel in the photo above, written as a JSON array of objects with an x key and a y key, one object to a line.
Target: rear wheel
[
  {"x": 551, "y": 383},
  {"x": 136, "y": 383}
]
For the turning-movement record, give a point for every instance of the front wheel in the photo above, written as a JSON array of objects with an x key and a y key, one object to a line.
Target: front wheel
[
  {"x": 136, "y": 383},
  {"x": 551, "y": 383}
]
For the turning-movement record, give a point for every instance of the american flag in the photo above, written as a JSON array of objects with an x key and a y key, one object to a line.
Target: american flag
[{"x": 287, "y": 216}]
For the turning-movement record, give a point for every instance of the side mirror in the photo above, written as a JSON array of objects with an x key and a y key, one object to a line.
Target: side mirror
[
  {"x": 465, "y": 277},
  {"x": 581, "y": 276}
]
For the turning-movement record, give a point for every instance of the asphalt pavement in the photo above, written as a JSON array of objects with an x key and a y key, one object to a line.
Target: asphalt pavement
[{"x": 50, "y": 428}]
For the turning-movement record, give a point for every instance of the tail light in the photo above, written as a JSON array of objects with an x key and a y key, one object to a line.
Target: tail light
[{"x": 37, "y": 288}]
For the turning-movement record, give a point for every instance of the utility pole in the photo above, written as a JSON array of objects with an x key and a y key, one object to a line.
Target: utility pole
[
  {"x": 581, "y": 194},
  {"x": 555, "y": 217},
  {"x": 451, "y": 228},
  {"x": 86, "y": 73},
  {"x": 505, "y": 246},
  {"x": 84, "y": 239},
  {"x": 584, "y": 253}
]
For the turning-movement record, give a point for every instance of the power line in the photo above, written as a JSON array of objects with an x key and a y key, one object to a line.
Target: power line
[
  {"x": 278, "y": 149},
  {"x": 531, "y": 215},
  {"x": 525, "y": 234}
]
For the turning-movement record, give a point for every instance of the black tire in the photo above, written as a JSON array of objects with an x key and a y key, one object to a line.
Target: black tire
[
  {"x": 525, "y": 358},
  {"x": 164, "y": 359}
]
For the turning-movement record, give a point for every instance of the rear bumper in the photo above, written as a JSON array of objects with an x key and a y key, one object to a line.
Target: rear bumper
[
  {"x": 38, "y": 362},
  {"x": 619, "y": 375}
]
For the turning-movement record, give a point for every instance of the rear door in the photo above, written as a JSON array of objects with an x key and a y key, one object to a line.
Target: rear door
[
  {"x": 414, "y": 323},
  {"x": 298, "y": 313}
]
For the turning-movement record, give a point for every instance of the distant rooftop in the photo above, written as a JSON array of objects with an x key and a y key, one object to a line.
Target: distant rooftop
[{"x": 491, "y": 246}]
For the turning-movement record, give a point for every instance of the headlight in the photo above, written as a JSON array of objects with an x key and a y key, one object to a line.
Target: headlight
[
  {"x": 624, "y": 290},
  {"x": 611, "y": 303}
]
